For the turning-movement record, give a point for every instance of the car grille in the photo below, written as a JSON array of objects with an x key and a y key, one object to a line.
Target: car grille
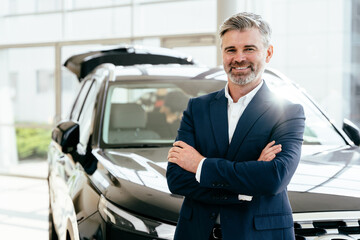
[{"x": 332, "y": 229}]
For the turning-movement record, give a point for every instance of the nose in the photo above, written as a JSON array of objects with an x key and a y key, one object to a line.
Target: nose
[{"x": 239, "y": 56}]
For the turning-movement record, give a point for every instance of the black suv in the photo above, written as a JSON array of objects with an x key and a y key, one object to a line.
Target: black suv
[{"x": 107, "y": 161}]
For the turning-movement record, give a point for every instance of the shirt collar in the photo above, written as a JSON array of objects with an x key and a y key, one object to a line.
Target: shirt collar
[{"x": 245, "y": 99}]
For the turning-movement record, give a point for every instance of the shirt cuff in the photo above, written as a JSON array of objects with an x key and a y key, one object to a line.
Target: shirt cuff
[
  {"x": 198, "y": 170},
  {"x": 244, "y": 198}
]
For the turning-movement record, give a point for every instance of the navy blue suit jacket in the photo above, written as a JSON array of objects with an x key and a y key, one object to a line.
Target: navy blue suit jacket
[{"x": 230, "y": 170}]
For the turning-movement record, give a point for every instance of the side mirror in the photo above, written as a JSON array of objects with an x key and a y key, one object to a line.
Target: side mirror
[
  {"x": 67, "y": 135},
  {"x": 352, "y": 131}
]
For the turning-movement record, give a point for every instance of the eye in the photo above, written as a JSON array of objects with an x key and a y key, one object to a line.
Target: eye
[
  {"x": 230, "y": 50},
  {"x": 249, "y": 49}
]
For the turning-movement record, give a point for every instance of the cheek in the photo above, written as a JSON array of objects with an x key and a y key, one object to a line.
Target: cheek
[
  {"x": 226, "y": 58},
  {"x": 259, "y": 59}
]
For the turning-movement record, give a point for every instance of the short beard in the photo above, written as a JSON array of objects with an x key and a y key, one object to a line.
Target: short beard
[{"x": 242, "y": 80}]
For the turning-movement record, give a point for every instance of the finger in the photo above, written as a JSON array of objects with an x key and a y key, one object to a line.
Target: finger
[
  {"x": 174, "y": 150},
  {"x": 274, "y": 148},
  {"x": 180, "y": 144},
  {"x": 173, "y": 155},
  {"x": 269, "y": 157},
  {"x": 172, "y": 159},
  {"x": 272, "y": 154},
  {"x": 270, "y": 144}
]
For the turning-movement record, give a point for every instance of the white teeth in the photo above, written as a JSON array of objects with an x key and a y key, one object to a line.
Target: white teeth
[{"x": 241, "y": 68}]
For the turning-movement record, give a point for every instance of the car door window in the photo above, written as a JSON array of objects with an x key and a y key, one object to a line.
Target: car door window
[
  {"x": 80, "y": 100},
  {"x": 86, "y": 115}
]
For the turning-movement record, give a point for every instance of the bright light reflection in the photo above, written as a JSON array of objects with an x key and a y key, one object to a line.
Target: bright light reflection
[
  {"x": 343, "y": 184},
  {"x": 308, "y": 180},
  {"x": 337, "y": 191},
  {"x": 123, "y": 71},
  {"x": 165, "y": 231},
  {"x": 298, "y": 187},
  {"x": 188, "y": 71},
  {"x": 101, "y": 179},
  {"x": 150, "y": 178},
  {"x": 318, "y": 170},
  {"x": 352, "y": 173}
]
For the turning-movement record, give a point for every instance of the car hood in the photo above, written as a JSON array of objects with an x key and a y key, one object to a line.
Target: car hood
[
  {"x": 135, "y": 179},
  {"x": 327, "y": 179}
]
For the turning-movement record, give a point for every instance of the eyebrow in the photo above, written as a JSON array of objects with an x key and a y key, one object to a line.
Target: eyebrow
[
  {"x": 230, "y": 47},
  {"x": 253, "y": 46},
  {"x": 246, "y": 46}
]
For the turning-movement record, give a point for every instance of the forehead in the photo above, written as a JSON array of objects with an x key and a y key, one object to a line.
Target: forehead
[{"x": 237, "y": 38}]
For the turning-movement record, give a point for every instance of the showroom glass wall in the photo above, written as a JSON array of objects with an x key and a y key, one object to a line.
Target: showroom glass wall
[
  {"x": 315, "y": 44},
  {"x": 36, "y": 35}
]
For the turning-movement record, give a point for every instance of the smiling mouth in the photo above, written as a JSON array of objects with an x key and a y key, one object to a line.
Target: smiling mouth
[{"x": 240, "y": 68}]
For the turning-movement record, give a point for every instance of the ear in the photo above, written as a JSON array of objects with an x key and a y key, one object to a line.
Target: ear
[{"x": 269, "y": 53}]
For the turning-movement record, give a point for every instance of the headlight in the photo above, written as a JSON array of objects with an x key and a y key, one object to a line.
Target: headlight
[{"x": 134, "y": 223}]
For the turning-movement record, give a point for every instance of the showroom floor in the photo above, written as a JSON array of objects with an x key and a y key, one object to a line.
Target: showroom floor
[{"x": 24, "y": 202}]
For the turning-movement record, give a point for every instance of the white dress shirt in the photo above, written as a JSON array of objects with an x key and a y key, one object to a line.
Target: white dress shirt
[{"x": 235, "y": 110}]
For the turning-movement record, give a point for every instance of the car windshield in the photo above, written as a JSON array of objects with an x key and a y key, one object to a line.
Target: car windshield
[
  {"x": 318, "y": 129},
  {"x": 148, "y": 113},
  {"x": 141, "y": 113}
]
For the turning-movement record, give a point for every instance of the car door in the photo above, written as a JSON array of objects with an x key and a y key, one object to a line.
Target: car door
[{"x": 67, "y": 177}]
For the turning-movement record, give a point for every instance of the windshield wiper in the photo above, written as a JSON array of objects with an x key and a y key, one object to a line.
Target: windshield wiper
[{"x": 143, "y": 145}]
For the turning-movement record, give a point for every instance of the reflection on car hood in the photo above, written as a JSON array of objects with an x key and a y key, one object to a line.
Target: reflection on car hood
[
  {"x": 135, "y": 178},
  {"x": 327, "y": 179}
]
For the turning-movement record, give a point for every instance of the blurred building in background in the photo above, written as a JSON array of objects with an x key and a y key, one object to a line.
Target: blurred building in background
[{"x": 316, "y": 44}]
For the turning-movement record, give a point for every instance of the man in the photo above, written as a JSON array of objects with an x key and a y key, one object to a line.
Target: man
[{"x": 225, "y": 161}]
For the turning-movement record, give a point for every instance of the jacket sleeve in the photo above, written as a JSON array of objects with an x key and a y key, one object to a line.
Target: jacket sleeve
[
  {"x": 259, "y": 177},
  {"x": 183, "y": 183}
]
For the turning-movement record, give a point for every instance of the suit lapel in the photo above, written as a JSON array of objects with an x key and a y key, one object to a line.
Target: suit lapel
[
  {"x": 219, "y": 122},
  {"x": 257, "y": 107}
]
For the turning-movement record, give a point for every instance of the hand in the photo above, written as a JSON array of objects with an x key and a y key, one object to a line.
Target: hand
[
  {"x": 185, "y": 156},
  {"x": 270, "y": 151}
]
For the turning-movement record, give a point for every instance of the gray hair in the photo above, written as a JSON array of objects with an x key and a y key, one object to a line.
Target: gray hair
[{"x": 245, "y": 20}]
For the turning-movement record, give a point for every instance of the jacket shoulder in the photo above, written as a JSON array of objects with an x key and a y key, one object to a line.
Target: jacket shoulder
[{"x": 209, "y": 97}]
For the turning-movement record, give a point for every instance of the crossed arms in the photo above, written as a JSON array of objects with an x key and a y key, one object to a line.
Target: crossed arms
[{"x": 222, "y": 180}]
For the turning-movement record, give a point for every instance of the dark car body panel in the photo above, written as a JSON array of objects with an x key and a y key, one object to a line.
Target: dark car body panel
[{"x": 151, "y": 163}]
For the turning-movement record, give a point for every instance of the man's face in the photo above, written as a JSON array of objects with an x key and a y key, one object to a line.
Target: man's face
[{"x": 244, "y": 55}]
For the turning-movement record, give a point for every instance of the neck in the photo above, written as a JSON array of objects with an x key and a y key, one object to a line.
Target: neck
[{"x": 237, "y": 91}]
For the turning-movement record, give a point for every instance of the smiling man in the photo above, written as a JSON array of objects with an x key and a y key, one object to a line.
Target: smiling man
[{"x": 225, "y": 160}]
